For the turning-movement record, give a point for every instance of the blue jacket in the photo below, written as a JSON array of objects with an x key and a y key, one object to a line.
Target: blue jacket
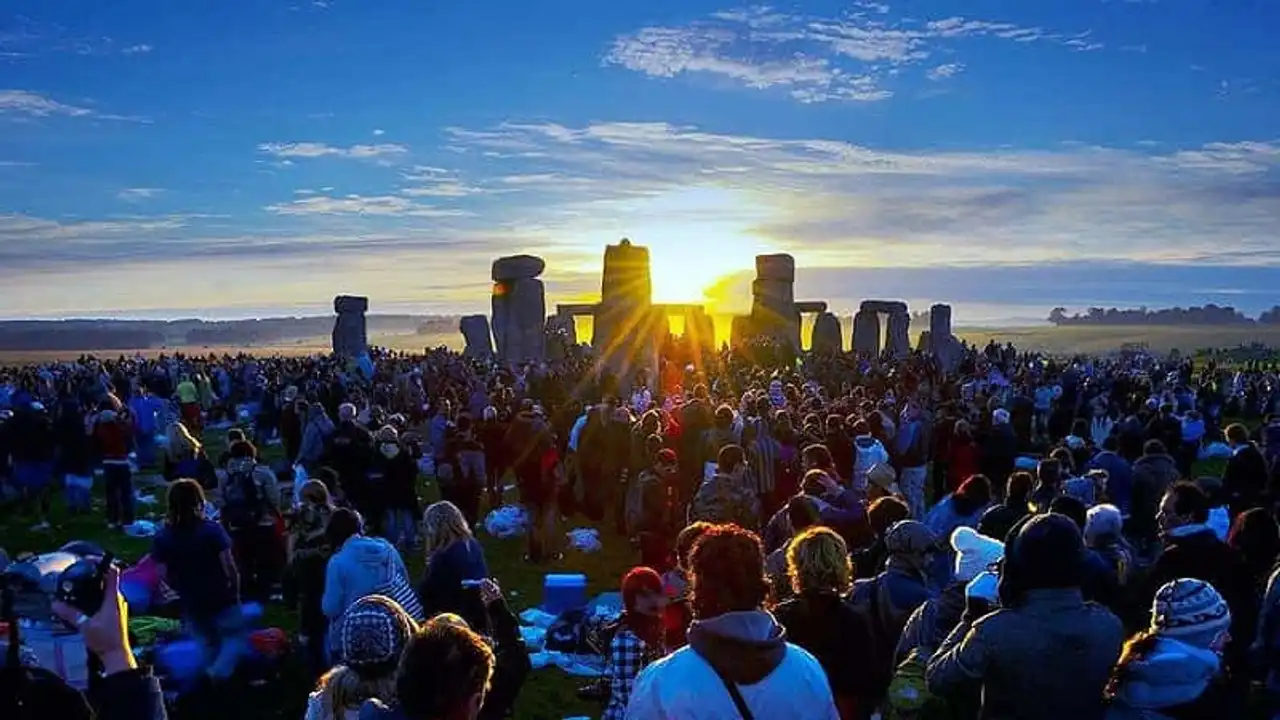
[
  {"x": 363, "y": 566},
  {"x": 1171, "y": 675},
  {"x": 1120, "y": 478}
]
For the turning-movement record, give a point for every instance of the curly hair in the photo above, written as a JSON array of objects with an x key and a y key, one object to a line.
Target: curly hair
[
  {"x": 818, "y": 559},
  {"x": 727, "y": 572}
]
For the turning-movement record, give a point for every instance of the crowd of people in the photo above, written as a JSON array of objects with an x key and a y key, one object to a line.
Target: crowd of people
[{"x": 822, "y": 536}]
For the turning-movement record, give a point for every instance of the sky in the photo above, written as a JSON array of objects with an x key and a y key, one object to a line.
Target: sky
[{"x": 238, "y": 159}]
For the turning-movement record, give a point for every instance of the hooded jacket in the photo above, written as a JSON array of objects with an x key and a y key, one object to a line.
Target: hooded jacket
[
  {"x": 777, "y": 680},
  {"x": 363, "y": 566},
  {"x": 1172, "y": 676}
]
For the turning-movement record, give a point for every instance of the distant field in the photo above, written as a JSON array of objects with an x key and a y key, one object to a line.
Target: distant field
[
  {"x": 1056, "y": 340},
  {"x": 1096, "y": 340}
]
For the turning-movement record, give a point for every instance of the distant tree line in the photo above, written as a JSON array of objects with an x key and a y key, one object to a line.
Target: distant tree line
[
  {"x": 89, "y": 335},
  {"x": 1209, "y": 314}
]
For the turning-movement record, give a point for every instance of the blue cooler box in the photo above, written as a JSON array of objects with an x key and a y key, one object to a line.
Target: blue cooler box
[{"x": 562, "y": 592}]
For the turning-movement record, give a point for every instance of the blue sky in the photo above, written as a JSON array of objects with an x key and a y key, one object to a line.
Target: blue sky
[{"x": 229, "y": 159}]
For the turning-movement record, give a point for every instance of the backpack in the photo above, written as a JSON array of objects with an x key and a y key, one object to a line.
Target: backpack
[
  {"x": 908, "y": 696},
  {"x": 242, "y": 499}
]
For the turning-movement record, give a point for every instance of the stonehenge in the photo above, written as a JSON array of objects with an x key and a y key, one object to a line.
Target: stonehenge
[
  {"x": 475, "y": 330},
  {"x": 350, "y": 332},
  {"x": 629, "y": 327},
  {"x": 519, "y": 308}
]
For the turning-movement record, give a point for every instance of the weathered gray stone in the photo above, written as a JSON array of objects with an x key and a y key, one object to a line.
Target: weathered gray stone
[
  {"x": 885, "y": 307},
  {"x": 518, "y": 267},
  {"x": 350, "y": 332},
  {"x": 827, "y": 334},
  {"x": 519, "y": 318},
  {"x": 776, "y": 267},
  {"x": 944, "y": 345},
  {"x": 740, "y": 331},
  {"x": 898, "y": 337},
  {"x": 561, "y": 335},
  {"x": 866, "y": 332},
  {"x": 811, "y": 306},
  {"x": 627, "y": 328},
  {"x": 475, "y": 330}
]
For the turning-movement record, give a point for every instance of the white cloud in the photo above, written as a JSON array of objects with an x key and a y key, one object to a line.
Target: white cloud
[
  {"x": 379, "y": 132},
  {"x": 836, "y": 203},
  {"x": 140, "y": 49},
  {"x": 23, "y": 102},
  {"x": 815, "y": 59},
  {"x": 945, "y": 71},
  {"x": 27, "y": 104},
  {"x": 139, "y": 194},
  {"x": 378, "y": 205},
  {"x": 315, "y": 150}
]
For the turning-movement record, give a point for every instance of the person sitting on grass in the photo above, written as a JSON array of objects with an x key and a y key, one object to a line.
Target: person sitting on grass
[
  {"x": 370, "y": 638},
  {"x": 638, "y": 640}
]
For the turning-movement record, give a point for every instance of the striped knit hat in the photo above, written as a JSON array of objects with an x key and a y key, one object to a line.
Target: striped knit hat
[{"x": 1191, "y": 611}]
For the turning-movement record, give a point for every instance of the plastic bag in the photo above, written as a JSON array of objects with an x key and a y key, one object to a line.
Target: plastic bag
[
  {"x": 1215, "y": 451},
  {"x": 507, "y": 522},
  {"x": 585, "y": 540},
  {"x": 299, "y": 479}
]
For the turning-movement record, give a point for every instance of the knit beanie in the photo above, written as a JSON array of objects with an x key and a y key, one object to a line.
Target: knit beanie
[
  {"x": 909, "y": 538},
  {"x": 1191, "y": 611},
  {"x": 885, "y": 477},
  {"x": 372, "y": 634},
  {"x": 974, "y": 553}
]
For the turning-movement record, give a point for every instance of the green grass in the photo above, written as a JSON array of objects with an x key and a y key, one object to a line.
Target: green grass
[{"x": 549, "y": 693}]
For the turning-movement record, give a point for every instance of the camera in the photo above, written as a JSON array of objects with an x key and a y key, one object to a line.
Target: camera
[{"x": 83, "y": 585}]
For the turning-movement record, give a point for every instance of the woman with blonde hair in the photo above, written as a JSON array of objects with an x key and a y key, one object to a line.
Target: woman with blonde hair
[
  {"x": 184, "y": 457},
  {"x": 819, "y": 619},
  {"x": 369, "y": 641},
  {"x": 455, "y": 565}
]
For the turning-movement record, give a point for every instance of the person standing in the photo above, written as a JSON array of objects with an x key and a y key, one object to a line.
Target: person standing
[
  {"x": 113, "y": 436},
  {"x": 194, "y": 557},
  {"x": 737, "y": 663},
  {"x": 33, "y": 453},
  {"x": 1041, "y": 611},
  {"x": 251, "y": 512}
]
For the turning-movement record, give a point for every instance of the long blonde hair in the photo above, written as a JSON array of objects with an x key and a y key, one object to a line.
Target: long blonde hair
[
  {"x": 442, "y": 526},
  {"x": 181, "y": 442},
  {"x": 342, "y": 689},
  {"x": 818, "y": 559}
]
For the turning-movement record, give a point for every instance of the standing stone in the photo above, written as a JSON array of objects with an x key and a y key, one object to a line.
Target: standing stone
[
  {"x": 898, "y": 338},
  {"x": 627, "y": 330},
  {"x": 475, "y": 330},
  {"x": 827, "y": 334},
  {"x": 561, "y": 336},
  {"x": 519, "y": 308},
  {"x": 700, "y": 328},
  {"x": 350, "y": 332},
  {"x": 944, "y": 345},
  {"x": 740, "y": 331},
  {"x": 773, "y": 306},
  {"x": 866, "y": 332}
]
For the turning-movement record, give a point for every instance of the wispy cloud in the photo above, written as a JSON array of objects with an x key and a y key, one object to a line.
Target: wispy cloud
[
  {"x": 24, "y": 37},
  {"x": 814, "y": 59},
  {"x": 316, "y": 150},
  {"x": 25, "y": 104},
  {"x": 140, "y": 49},
  {"x": 139, "y": 194},
  {"x": 378, "y": 205},
  {"x": 945, "y": 71}
]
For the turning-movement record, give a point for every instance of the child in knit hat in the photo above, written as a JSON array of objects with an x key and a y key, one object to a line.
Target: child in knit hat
[
  {"x": 1171, "y": 669},
  {"x": 368, "y": 640}
]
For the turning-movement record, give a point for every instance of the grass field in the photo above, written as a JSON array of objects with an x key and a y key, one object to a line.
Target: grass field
[{"x": 548, "y": 694}]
